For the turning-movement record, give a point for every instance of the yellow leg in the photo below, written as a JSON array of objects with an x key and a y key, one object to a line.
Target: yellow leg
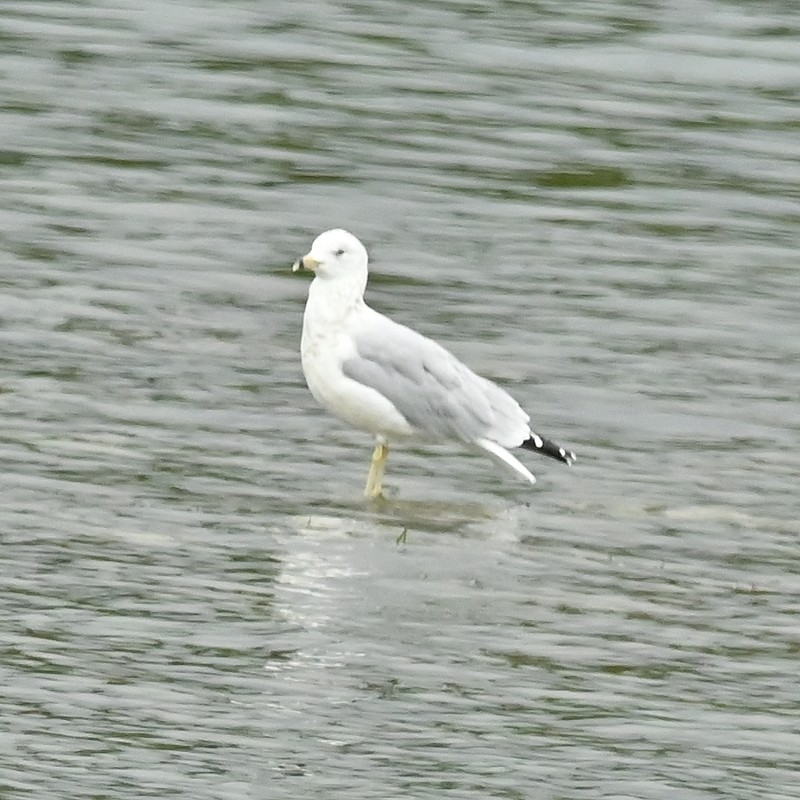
[{"x": 374, "y": 486}]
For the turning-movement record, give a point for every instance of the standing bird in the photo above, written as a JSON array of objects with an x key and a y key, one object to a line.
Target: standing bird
[{"x": 387, "y": 379}]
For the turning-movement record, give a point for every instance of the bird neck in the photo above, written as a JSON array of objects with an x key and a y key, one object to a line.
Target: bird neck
[{"x": 331, "y": 301}]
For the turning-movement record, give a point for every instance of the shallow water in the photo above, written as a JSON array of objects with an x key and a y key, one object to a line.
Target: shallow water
[{"x": 597, "y": 207}]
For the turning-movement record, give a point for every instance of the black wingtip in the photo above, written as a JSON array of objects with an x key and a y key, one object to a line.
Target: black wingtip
[{"x": 548, "y": 448}]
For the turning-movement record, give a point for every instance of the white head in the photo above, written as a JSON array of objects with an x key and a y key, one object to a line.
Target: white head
[{"x": 336, "y": 254}]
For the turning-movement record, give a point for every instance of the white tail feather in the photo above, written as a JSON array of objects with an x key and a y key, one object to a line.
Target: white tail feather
[{"x": 500, "y": 452}]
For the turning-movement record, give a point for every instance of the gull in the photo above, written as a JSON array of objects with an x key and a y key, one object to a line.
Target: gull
[{"x": 392, "y": 382}]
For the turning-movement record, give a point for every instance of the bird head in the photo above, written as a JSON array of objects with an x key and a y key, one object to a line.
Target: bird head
[{"x": 335, "y": 253}]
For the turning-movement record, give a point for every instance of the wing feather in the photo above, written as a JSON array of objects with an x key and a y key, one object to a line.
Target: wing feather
[{"x": 436, "y": 393}]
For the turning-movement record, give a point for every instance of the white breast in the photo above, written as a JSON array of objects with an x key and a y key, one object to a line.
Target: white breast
[{"x": 326, "y": 344}]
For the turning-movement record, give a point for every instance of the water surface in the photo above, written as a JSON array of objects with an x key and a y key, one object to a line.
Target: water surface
[{"x": 596, "y": 206}]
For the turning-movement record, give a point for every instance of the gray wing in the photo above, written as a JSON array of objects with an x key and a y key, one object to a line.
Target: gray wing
[{"x": 431, "y": 388}]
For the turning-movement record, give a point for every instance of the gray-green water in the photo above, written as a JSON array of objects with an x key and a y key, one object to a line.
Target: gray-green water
[{"x": 596, "y": 204}]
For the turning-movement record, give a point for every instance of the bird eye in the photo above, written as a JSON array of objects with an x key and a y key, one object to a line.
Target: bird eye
[{"x": 340, "y": 251}]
